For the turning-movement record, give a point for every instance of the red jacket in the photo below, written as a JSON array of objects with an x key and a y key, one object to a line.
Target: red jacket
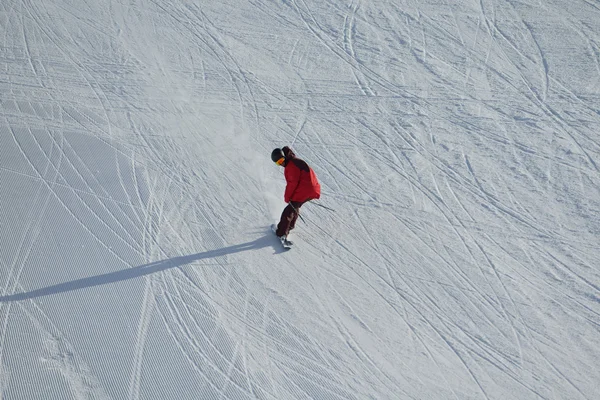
[{"x": 302, "y": 183}]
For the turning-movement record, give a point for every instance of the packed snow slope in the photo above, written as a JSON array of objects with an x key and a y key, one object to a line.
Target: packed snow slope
[{"x": 458, "y": 143}]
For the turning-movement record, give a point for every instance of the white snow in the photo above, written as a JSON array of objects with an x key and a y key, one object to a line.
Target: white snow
[{"x": 457, "y": 141}]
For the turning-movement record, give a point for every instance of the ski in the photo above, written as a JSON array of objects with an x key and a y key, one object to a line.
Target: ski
[{"x": 287, "y": 244}]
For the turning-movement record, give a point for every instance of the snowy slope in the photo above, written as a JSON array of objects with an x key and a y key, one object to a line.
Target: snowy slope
[{"x": 457, "y": 142}]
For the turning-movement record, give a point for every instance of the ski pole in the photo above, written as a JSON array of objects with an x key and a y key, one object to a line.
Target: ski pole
[
  {"x": 296, "y": 211},
  {"x": 322, "y": 206}
]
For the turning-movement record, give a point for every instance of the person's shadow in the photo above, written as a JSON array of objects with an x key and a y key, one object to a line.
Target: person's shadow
[{"x": 142, "y": 270}]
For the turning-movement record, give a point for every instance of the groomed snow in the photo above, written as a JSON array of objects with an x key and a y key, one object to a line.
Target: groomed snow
[{"x": 458, "y": 143}]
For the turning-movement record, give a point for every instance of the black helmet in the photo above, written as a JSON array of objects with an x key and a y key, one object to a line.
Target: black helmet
[{"x": 277, "y": 154}]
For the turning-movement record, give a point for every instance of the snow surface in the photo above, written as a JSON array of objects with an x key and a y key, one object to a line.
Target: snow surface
[{"x": 457, "y": 141}]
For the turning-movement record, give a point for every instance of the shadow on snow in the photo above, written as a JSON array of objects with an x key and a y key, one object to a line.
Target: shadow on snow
[{"x": 143, "y": 270}]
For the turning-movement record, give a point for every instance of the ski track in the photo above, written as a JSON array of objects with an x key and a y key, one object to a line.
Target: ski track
[{"x": 460, "y": 157}]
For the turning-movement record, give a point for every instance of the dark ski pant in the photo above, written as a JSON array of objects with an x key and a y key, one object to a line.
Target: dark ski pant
[{"x": 288, "y": 218}]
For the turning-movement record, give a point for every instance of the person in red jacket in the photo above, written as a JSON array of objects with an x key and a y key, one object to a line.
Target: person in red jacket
[{"x": 302, "y": 186}]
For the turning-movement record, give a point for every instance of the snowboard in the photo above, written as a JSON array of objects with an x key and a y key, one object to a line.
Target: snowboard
[{"x": 284, "y": 241}]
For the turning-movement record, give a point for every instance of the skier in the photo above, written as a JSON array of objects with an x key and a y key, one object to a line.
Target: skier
[{"x": 302, "y": 186}]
